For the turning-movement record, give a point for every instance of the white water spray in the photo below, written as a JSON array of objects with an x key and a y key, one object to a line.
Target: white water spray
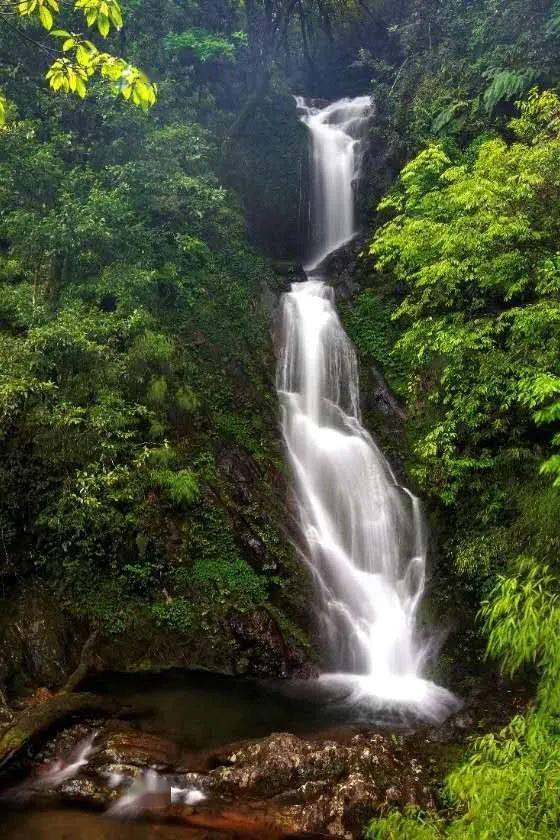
[
  {"x": 53, "y": 774},
  {"x": 150, "y": 791},
  {"x": 364, "y": 534}
]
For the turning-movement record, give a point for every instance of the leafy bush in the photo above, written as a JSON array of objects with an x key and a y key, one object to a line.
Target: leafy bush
[
  {"x": 480, "y": 316},
  {"x": 204, "y": 45},
  {"x": 369, "y": 325}
]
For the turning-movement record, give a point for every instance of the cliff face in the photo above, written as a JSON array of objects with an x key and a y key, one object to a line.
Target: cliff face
[{"x": 268, "y": 165}]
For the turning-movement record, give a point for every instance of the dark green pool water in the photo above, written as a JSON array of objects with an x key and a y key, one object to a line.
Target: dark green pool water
[{"x": 200, "y": 710}]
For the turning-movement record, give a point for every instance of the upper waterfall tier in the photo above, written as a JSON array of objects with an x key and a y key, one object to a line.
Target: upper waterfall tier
[{"x": 336, "y": 131}]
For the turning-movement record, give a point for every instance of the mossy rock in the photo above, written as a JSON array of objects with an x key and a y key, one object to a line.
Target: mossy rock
[{"x": 37, "y": 721}]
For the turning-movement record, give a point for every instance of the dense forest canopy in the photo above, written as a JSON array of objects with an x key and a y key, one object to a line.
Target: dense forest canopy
[{"x": 142, "y": 250}]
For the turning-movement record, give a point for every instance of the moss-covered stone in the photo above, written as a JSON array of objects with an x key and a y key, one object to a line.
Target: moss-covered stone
[{"x": 38, "y": 720}]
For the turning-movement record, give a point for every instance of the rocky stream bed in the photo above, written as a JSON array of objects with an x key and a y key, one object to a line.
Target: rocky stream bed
[{"x": 94, "y": 766}]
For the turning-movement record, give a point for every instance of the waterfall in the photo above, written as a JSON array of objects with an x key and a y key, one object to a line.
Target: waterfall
[
  {"x": 364, "y": 535},
  {"x": 335, "y": 131}
]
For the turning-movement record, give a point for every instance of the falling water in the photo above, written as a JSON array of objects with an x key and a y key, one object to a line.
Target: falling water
[
  {"x": 149, "y": 791},
  {"x": 364, "y": 535},
  {"x": 55, "y": 773},
  {"x": 336, "y": 131}
]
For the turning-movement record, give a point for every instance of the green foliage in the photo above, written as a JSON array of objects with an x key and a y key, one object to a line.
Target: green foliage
[
  {"x": 452, "y": 118},
  {"x": 181, "y": 487},
  {"x": 204, "y": 45},
  {"x": 509, "y": 785},
  {"x": 410, "y": 825},
  {"x": 472, "y": 250},
  {"x": 506, "y": 85},
  {"x": 368, "y": 323},
  {"x": 240, "y": 430},
  {"x": 177, "y": 615},
  {"x": 186, "y": 399},
  {"x": 473, "y": 241},
  {"x": 476, "y": 251},
  {"x": 522, "y": 619},
  {"x": 224, "y": 582},
  {"x": 479, "y": 555},
  {"x": 134, "y": 353},
  {"x": 220, "y": 575},
  {"x": 79, "y": 58}
]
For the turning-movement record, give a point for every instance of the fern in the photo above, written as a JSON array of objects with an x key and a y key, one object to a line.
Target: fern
[
  {"x": 181, "y": 486},
  {"x": 451, "y": 118},
  {"x": 552, "y": 26},
  {"x": 506, "y": 85}
]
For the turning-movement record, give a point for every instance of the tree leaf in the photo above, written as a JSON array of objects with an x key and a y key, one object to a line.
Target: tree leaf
[
  {"x": 46, "y": 17},
  {"x": 103, "y": 24}
]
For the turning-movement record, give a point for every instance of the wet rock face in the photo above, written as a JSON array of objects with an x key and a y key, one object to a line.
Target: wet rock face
[
  {"x": 35, "y": 648},
  {"x": 342, "y": 809},
  {"x": 116, "y": 755},
  {"x": 40, "y": 646},
  {"x": 136, "y": 749},
  {"x": 330, "y": 784},
  {"x": 260, "y": 648},
  {"x": 341, "y": 268},
  {"x": 237, "y": 467},
  {"x": 268, "y": 166},
  {"x": 251, "y": 643}
]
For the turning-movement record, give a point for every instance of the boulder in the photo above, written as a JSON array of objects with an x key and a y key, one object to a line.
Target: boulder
[
  {"x": 323, "y": 784},
  {"x": 268, "y": 166},
  {"x": 132, "y": 747},
  {"x": 282, "y": 785}
]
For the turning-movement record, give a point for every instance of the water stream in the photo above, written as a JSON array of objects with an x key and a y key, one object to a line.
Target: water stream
[{"x": 364, "y": 534}]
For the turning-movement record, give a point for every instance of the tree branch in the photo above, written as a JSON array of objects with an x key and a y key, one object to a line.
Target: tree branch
[{"x": 82, "y": 668}]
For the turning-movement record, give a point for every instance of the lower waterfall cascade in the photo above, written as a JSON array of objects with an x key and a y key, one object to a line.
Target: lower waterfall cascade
[{"x": 364, "y": 535}]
